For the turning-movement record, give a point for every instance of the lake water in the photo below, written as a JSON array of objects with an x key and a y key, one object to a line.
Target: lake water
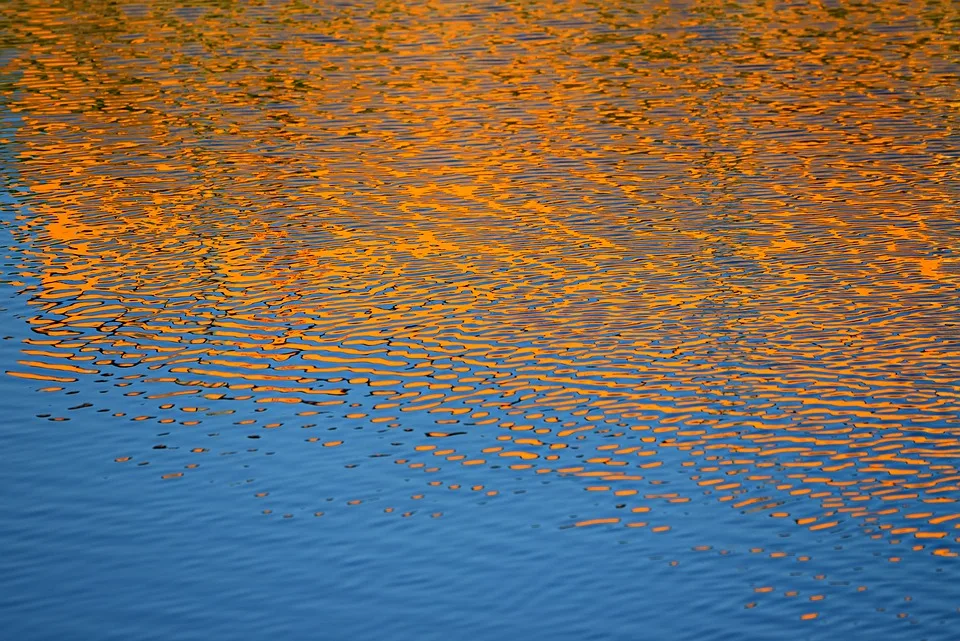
[{"x": 480, "y": 320}]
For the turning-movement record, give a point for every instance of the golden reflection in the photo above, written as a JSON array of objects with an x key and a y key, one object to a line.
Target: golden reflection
[{"x": 720, "y": 239}]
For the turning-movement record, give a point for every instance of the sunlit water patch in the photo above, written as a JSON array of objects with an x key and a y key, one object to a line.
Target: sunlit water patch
[{"x": 419, "y": 295}]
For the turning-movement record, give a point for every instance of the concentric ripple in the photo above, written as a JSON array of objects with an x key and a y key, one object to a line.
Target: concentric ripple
[{"x": 664, "y": 252}]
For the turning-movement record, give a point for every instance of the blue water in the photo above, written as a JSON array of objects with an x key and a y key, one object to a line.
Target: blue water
[
  {"x": 96, "y": 551},
  {"x": 348, "y": 321}
]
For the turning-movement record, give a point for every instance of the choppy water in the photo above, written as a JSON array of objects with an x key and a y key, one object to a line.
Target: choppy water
[{"x": 569, "y": 320}]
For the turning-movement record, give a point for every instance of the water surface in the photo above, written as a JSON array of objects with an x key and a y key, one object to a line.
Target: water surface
[{"x": 480, "y": 320}]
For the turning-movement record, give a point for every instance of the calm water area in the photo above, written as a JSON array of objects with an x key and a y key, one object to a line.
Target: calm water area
[{"x": 481, "y": 320}]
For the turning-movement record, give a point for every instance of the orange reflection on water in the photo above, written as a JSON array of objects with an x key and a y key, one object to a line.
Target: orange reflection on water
[{"x": 721, "y": 239}]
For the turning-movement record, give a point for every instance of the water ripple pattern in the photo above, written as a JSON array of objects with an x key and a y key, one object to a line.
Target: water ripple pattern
[{"x": 680, "y": 256}]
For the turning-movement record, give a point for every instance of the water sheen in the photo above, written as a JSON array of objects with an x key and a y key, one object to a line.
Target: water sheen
[{"x": 480, "y": 320}]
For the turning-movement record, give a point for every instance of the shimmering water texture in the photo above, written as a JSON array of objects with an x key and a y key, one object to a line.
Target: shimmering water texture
[{"x": 683, "y": 275}]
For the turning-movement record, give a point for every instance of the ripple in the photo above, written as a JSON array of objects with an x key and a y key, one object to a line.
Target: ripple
[{"x": 664, "y": 256}]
